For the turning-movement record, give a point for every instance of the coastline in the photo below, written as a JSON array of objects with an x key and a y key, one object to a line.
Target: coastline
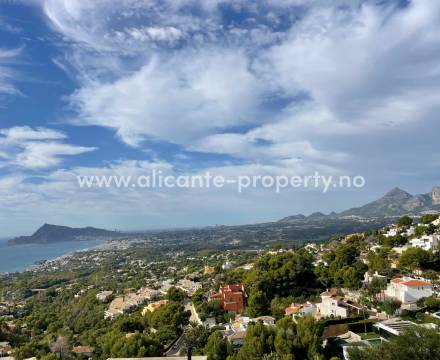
[{"x": 28, "y": 257}]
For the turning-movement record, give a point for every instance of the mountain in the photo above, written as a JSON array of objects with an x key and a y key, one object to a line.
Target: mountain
[
  {"x": 394, "y": 203},
  {"x": 398, "y": 202},
  {"x": 54, "y": 233}
]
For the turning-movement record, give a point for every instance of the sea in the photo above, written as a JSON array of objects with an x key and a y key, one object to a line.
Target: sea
[{"x": 24, "y": 257}]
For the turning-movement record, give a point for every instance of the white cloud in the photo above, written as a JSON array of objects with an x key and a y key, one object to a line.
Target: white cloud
[
  {"x": 19, "y": 133},
  {"x": 8, "y": 76},
  {"x": 175, "y": 100},
  {"x": 295, "y": 86},
  {"x": 37, "y": 155},
  {"x": 155, "y": 33},
  {"x": 39, "y": 148},
  {"x": 359, "y": 68}
]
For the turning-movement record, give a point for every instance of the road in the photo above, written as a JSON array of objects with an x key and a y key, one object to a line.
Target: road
[
  {"x": 176, "y": 348},
  {"x": 194, "y": 316},
  {"x": 179, "y": 344}
]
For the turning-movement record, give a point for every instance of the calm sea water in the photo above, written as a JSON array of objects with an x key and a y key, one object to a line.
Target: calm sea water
[{"x": 22, "y": 257}]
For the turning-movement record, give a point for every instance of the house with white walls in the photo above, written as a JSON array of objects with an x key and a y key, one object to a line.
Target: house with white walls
[
  {"x": 337, "y": 306},
  {"x": 392, "y": 231},
  {"x": 426, "y": 242},
  {"x": 300, "y": 310},
  {"x": 408, "y": 290}
]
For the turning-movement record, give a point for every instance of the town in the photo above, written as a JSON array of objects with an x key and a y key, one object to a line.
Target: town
[{"x": 349, "y": 297}]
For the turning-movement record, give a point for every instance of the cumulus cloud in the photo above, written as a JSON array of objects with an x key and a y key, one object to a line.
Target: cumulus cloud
[
  {"x": 282, "y": 83},
  {"x": 346, "y": 59},
  {"x": 39, "y": 148},
  {"x": 175, "y": 100}
]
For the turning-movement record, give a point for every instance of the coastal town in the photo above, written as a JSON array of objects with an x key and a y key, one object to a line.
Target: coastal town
[{"x": 350, "y": 293}]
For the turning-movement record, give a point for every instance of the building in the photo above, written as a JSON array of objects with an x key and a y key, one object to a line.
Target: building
[
  {"x": 237, "y": 339},
  {"x": 163, "y": 357},
  {"x": 104, "y": 295},
  {"x": 227, "y": 266},
  {"x": 392, "y": 231},
  {"x": 122, "y": 303},
  {"x": 208, "y": 270},
  {"x": 231, "y": 297},
  {"x": 408, "y": 290},
  {"x": 299, "y": 310},
  {"x": 189, "y": 286},
  {"x": 5, "y": 349},
  {"x": 426, "y": 242},
  {"x": 392, "y": 327},
  {"x": 148, "y": 294},
  {"x": 152, "y": 307},
  {"x": 266, "y": 320},
  {"x": 369, "y": 277},
  {"x": 85, "y": 351},
  {"x": 337, "y": 306}
]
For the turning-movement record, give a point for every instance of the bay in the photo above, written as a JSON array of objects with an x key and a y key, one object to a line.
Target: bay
[{"x": 23, "y": 257}]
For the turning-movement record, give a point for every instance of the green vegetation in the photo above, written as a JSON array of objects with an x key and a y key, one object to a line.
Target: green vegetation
[
  {"x": 415, "y": 344},
  {"x": 405, "y": 221}
]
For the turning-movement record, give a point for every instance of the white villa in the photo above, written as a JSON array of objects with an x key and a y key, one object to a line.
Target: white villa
[
  {"x": 337, "y": 306},
  {"x": 408, "y": 290},
  {"x": 392, "y": 231},
  {"x": 299, "y": 310},
  {"x": 426, "y": 242}
]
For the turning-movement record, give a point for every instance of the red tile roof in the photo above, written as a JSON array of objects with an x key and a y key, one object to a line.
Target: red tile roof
[{"x": 416, "y": 283}]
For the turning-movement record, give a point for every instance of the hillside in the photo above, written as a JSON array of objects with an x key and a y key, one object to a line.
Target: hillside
[
  {"x": 55, "y": 233},
  {"x": 394, "y": 203}
]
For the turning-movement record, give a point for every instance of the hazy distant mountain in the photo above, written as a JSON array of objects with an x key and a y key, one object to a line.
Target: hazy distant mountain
[
  {"x": 55, "y": 233},
  {"x": 398, "y": 202},
  {"x": 395, "y": 203}
]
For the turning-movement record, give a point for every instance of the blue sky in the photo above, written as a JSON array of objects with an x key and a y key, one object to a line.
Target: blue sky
[{"x": 233, "y": 87}]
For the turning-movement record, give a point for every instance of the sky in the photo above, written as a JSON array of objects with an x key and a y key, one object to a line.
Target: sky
[{"x": 233, "y": 87}]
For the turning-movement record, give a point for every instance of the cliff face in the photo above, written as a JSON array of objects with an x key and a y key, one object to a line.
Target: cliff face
[{"x": 435, "y": 195}]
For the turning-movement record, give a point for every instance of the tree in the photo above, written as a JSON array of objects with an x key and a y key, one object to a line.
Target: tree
[
  {"x": 375, "y": 287},
  {"x": 195, "y": 338},
  {"x": 172, "y": 314},
  {"x": 259, "y": 341},
  {"x": 378, "y": 261},
  {"x": 308, "y": 337},
  {"x": 415, "y": 343},
  {"x": 429, "y": 218},
  {"x": 286, "y": 274},
  {"x": 257, "y": 304},
  {"x": 390, "y": 306},
  {"x": 60, "y": 346},
  {"x": 414, "y": 259},
  {"x": 4, "y": 329},
  {"x": 217, "y": 347},
  {"x": 175, "y": 294},
  {"x": 405, "y": 221}
]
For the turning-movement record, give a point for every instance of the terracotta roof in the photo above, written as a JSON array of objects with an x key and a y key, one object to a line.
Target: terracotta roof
[
  {"x": 416, "y": 283},
  {"x": 265, "y": 318},
  {"x": 82, "y": 349},
  {"x": 237, "y": 335}
]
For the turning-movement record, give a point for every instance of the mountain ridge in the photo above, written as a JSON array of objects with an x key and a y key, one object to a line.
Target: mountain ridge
[
  {"x": 394, "y": 203},
  {"x": 48, "y": 234}
]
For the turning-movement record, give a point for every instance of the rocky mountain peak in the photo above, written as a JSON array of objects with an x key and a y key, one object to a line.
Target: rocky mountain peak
[{"x": 435, "y": 195}]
